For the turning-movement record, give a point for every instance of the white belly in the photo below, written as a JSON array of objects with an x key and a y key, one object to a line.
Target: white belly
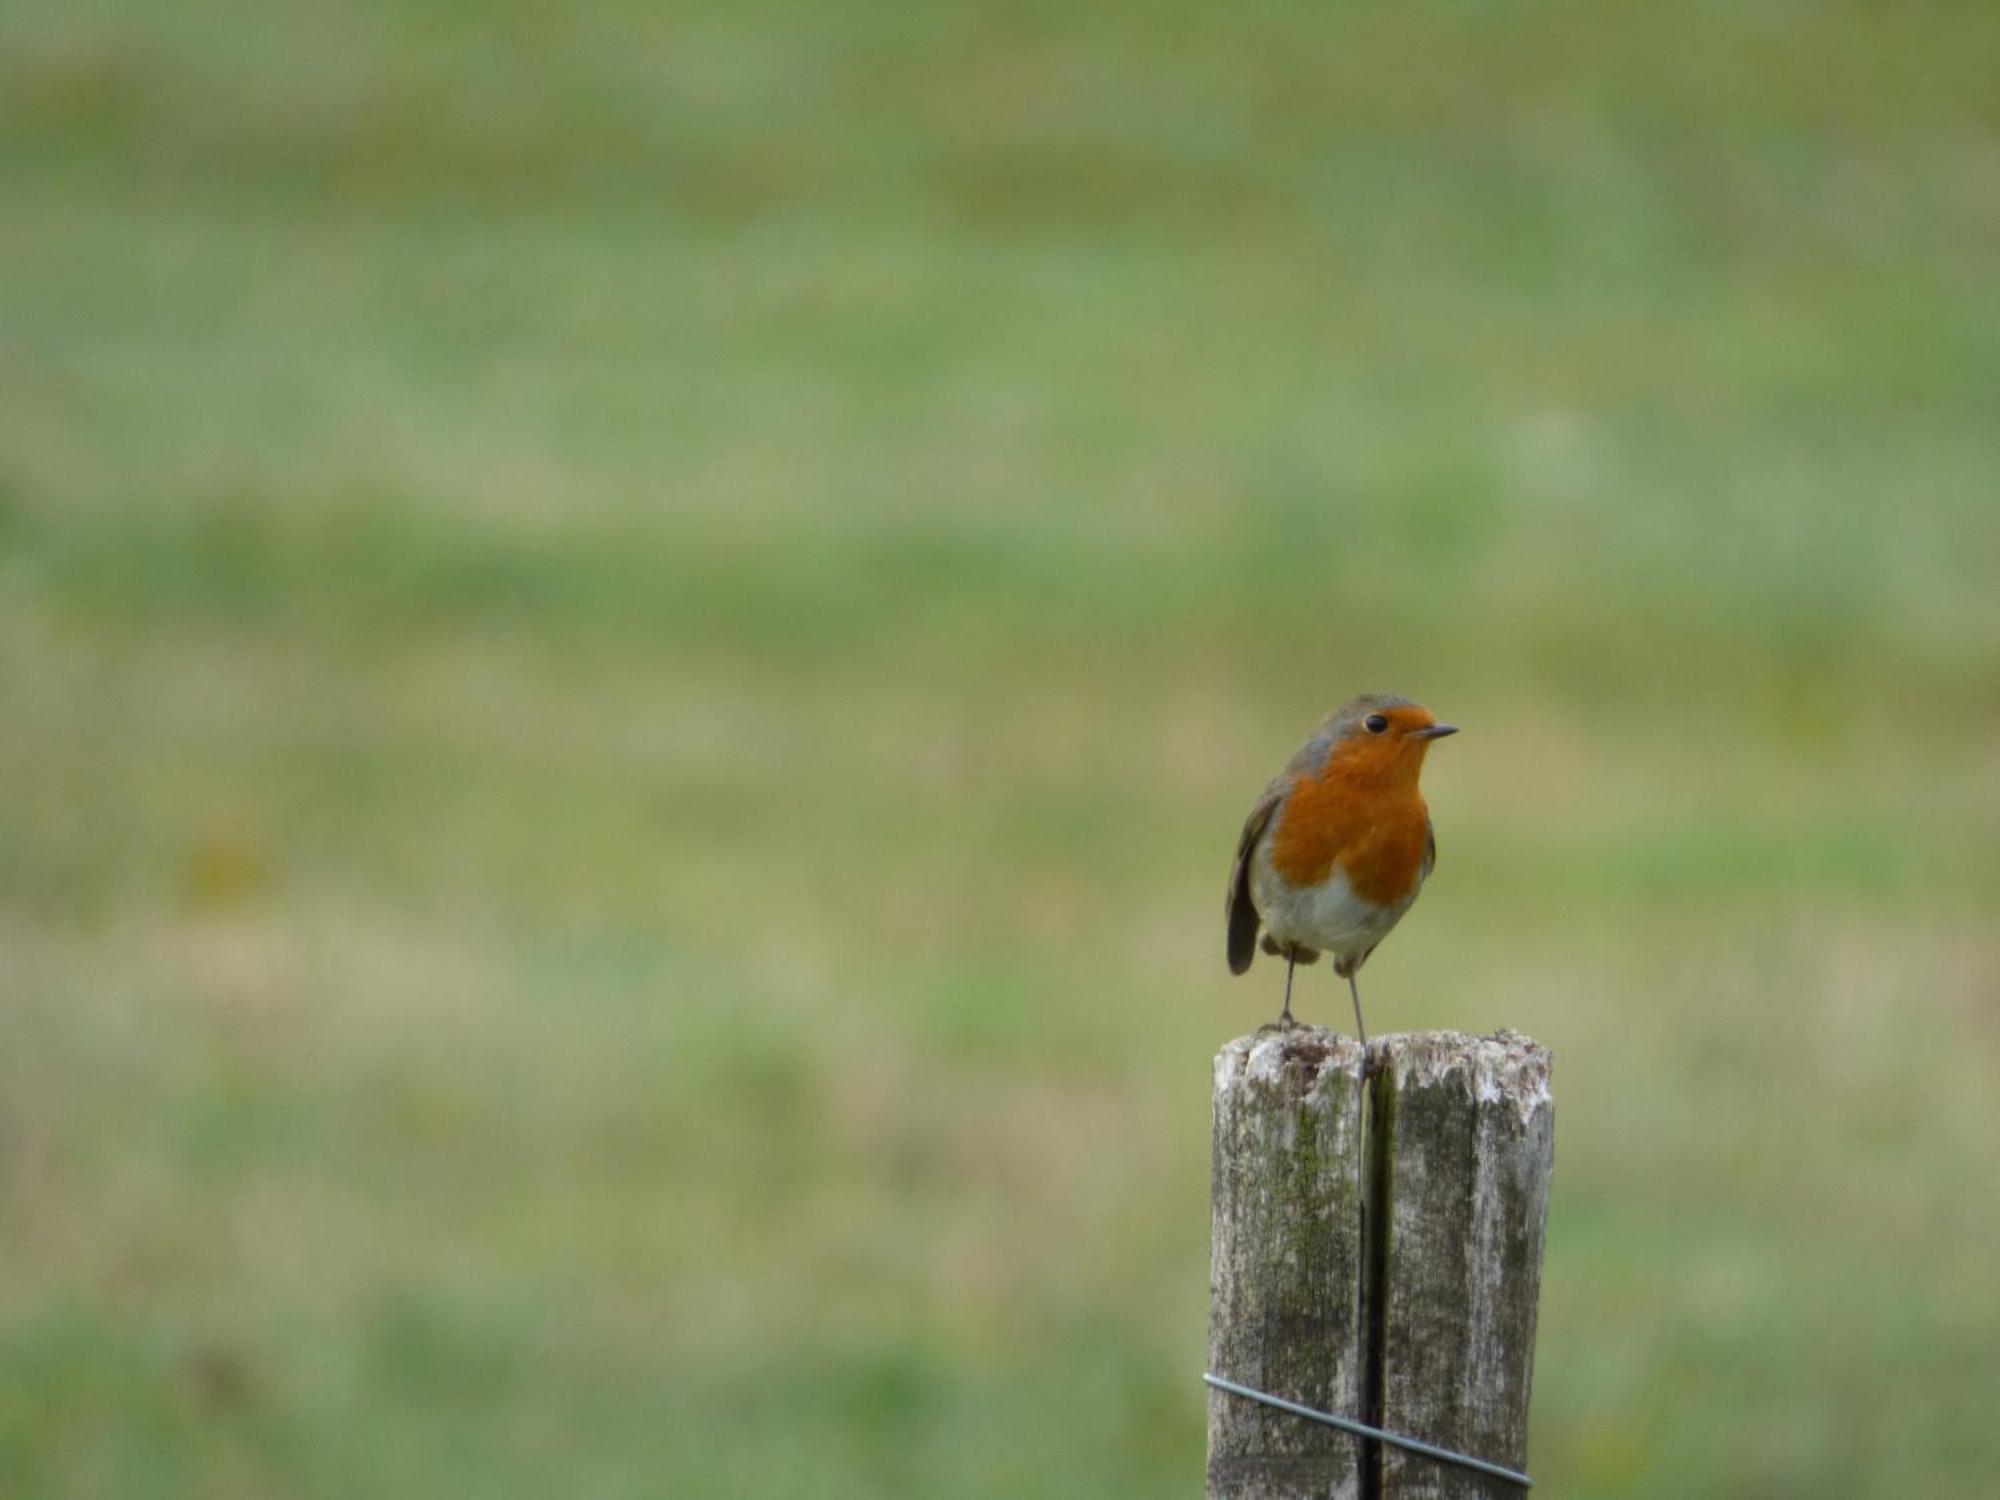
[{"x": 1327, "y": 916}]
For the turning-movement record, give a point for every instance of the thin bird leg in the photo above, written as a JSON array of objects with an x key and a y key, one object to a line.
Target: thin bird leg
[
  {"x": 1284, "y": 1021},
  {"x": 1355, "y": 990}
]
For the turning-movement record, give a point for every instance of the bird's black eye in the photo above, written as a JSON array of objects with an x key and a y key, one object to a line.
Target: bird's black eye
[{"x": 1375, "y": 723}]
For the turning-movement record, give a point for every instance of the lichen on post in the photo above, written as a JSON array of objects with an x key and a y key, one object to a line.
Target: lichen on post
[{"x": 1285, "y": 1272}]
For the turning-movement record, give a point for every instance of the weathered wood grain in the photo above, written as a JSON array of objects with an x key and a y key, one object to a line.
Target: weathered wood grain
[
  {"x": 1462, "y": 1138},
  {"x": 1285, "y": 1272},
  {"x": 1417, "y": 1315}
]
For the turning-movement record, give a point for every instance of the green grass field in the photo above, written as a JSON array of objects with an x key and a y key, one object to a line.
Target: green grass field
[{"x": 633, "y": 641}]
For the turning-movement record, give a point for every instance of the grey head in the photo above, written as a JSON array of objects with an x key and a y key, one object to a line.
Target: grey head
[
  {"x": 1345, "y": 722},
  {"x": 1352, "y": 715}
]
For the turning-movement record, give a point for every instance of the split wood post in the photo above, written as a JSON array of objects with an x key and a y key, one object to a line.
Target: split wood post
[{"x": 1389, "y": 1273}]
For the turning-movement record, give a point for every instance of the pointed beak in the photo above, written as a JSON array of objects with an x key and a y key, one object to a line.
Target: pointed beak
[{"x": 1433, "y": 731}]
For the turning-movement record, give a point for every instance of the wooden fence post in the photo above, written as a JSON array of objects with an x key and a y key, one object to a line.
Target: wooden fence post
[{"x": 1390, "y": 1274}]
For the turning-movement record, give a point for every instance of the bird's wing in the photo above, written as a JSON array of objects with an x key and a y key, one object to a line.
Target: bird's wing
[
  {"x": 1430, "y": 848},
  {"x": 1237, "y": 906}
]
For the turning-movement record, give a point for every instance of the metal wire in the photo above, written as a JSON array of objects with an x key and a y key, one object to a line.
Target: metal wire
[{"x": 1362, "y": 1429}]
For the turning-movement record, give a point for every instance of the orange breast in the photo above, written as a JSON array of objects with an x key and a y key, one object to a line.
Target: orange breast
[{"x": 1373, "y": 833}]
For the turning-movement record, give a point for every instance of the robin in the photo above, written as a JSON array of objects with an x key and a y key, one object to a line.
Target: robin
[{"x": 1336, "y": 849}]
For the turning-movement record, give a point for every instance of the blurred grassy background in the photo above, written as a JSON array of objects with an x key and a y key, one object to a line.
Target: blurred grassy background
[{"x": 632, "y": 642}]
